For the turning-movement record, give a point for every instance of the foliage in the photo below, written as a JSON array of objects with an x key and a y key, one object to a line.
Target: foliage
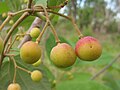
[{"x": 91, "y": 16}]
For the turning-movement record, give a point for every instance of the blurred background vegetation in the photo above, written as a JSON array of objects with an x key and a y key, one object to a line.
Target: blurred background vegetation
[{"x": 97, "y": 18}]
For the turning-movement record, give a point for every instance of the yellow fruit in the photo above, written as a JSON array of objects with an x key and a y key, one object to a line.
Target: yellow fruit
[
  {"x": 35, "y": 32},
  {"x": 30, "y": 52},
  {"x": 4, "y": 15},
  {"x": 36, "y": 64},
  {"x": 14, "y": 86},
  {"x": 36, "y": 75},
  {"x": 11, "y": 22},
  {"x": 1, "y": 45},
  {"x": 63, "y": 55}
]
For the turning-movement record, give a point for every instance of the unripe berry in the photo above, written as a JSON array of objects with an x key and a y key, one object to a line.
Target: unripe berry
[
  {"x": 35, "y": 32},
  {"x": 14, "y": 86},
  {"x": 4, "y": 15},
  {"x": 11, "y": 22},
  {"x": 63, "y": 55},
  {"x": 36, "y": 64},
  {"x": 1, "y": 45},
  {"x": 30, "y": 52},
  {"x": 88, "y": 48},
  {"x": 36, "y": 75}
]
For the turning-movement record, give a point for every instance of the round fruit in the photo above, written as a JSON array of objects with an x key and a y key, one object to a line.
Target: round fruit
[
  {"x": 1, "y": 45},
  {"x": 36, "y": 64},
  {"x": 4, "y": 15},
  {"x": 88, "y": 48},
  {"x": 30, "y": 52},
  {"x": 35, "y": 32},
  {"x": 14, "y": 86},
  {"x": 63, "y": 55},
  {"x": 36, "y": 75},
  {"x": 11, "y": 22}
]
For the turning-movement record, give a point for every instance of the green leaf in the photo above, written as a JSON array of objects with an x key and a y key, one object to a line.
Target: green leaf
[
  {"x": 55, "y": 2},
  {"x": 109, "y": 80},
  {"x": 3, "y": 7},
  {"x": 81, "y": 81},
  {"x": 23, "y": 78},
  {"x": 41, "y": 3}
]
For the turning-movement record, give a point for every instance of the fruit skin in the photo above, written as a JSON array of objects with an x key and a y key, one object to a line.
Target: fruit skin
[
  {"x": 14, "y": 86},
  {"x": 35, "y": 32},
  {"x": 36, "y": 64},
  {"x": 36, "y": 75},
  {"x": 88, "y": 48},
  {"x": 4, "y": 15},
  {"x": 11, "y": 22},
  {"x": 30, "y": 52},
  {"x": 63, "y": 55},
  {"x": 1, "y": 45}
]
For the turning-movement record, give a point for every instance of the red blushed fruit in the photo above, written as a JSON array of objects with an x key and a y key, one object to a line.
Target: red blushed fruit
[
  {"x": 88, "y": 48},
  {"x": 63, "y": 55}
]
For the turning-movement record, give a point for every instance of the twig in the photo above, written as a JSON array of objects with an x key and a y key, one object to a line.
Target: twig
[
  {"x": 23, "y": 69},
  {"x": 41, "y": 34},
  {"x": 15, "y": 65},
  {"x": 29, "y": 3},
  {"x": 10, "y": 32},
  {"x": 6, "y": 20},
  {"x": 105, "y": 68}
]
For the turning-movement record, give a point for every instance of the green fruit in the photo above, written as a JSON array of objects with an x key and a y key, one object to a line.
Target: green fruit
[
  {"x": 30, "y": 52},
  {"x": 63, "y": 55},
  {"x": 11, "y": 22},
  {"x": 1, "y": 45},
  {"x": 36, "y": 64},
  {"x": 35, "y": 32},
  {"x": 88, "y": 49},
  {"x": 36, "y": 75},
  {"x": 14, "y": 86}
]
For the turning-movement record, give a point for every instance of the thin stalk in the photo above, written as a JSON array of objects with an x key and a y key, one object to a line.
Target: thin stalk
[
  {"x": 41, "y": 34},
  {"x": 15, "y": 65},
  {"x": 25, "y": 70},
  {"x": 26, "y": 14},
  {"x": 29, "y": 3},
  {"x": 105, "y": 68},
  {"x": 6, "y": 20},
  {"x": 54, "y": 32}
]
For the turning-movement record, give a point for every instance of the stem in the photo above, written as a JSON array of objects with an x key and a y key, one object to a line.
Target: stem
[
  {"x": 29, "y": 3},
  {"x": 11, "y": 44},
  {"x": 80, "y": 35},
  {"x": 6, "y": 20},
  {"x": 10, "y": 32},
  {"x": 41, "y": 34},
  {"x": 52, "y": 27},
  {"x": 15, "y": 65},
  {"x": 54, "y": 32},
  {"x": 23, "y": 69},
  {"x": 105, "y": 68},
  {"x": 72, "y": 20}
]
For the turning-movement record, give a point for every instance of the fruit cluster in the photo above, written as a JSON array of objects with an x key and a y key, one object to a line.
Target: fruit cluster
[{"x": 62, "y": 55}]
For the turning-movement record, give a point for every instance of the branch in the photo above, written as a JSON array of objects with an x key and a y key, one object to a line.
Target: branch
[
  {"x": 105, "y": 68},
  {"x": 11, "y": 31},
  {"x": 29, "y": 3}
]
